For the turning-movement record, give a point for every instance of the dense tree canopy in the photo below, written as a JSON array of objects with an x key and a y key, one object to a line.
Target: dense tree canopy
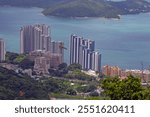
[
  {"x": 26, "y": 64},
  {"x": 79, "y": 75},
  {"x": 127, "y": 89},
  {"x": 15, "y": 58},
  {"x": 15, "y": 86},
  {"x": 74, "y": 66}
]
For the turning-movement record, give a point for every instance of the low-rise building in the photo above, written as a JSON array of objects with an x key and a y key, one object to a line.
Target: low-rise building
[{"x": 111, "y": 71}]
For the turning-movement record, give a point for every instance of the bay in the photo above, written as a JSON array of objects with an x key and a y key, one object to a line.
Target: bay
[{"x": 124, "y": 42}]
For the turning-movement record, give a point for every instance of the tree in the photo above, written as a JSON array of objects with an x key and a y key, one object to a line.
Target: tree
[
  {"x": 15, "y": 58},
  {"x": 60, "y": 71},
  {"x": 78, "y": 74},
  {"x": 55, "y": 85},
  {"x": 10, "y": 57},
  {"x": 20, "y": 58},
  {"x": 14, "y": 86},
  {"x": 26, "y": 64},
  {"x": 71, "y": 91},
  {"x": 87, "y": 88},
  {"x": 94, "y": 94},
  {"x": 62, "y": 66},
  {"x": 142, "y": 95},
  {"x": 118, "y": 89},
  {"x": 74, "y": 66}
]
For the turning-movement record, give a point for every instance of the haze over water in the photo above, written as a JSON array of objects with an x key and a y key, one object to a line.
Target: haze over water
[{"x": 124, "y": 42}]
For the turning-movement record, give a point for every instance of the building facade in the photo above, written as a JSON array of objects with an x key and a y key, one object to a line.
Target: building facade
[
  {"x": 75, "y": 49},
  {"x": 36, "y": 40},
  {"x": 82, "y": 51},
  {"x": 57, "y": 49},
  {"x": 2, "y": 50},
  {"x": 34, "y": 37},
  {"x": 42, "y": 65},
  {"x": 44, "y": 60},
  {"x": 112, "y": 71}
]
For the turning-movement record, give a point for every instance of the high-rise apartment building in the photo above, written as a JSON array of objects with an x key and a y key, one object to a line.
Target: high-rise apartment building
[
  {"x": 57, "y": 48},
  {"x": 82, "y": 51},
  {"x": 75, "y": 49},
  {"x": 2, "y": 50},
  {"x": 96, "y": 61},
  {"x": 34, "y": 37}
]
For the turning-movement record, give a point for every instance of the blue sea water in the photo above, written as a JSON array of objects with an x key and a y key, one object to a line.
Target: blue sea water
[{"x": 124, "y": 42}]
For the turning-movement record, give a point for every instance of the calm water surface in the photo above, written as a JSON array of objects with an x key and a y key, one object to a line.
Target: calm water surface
[{"x": 124, "y": 42}]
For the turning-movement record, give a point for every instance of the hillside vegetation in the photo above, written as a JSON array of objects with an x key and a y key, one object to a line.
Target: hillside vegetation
[
  {"x": 15, "y": 86},
  {"x": 84, "y": 8}
]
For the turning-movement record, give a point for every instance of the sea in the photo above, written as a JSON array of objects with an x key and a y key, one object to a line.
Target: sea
[{"x": 124, "y": 43}]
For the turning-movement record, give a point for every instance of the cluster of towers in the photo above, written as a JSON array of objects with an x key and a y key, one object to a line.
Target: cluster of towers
[
  {"x": 34, "y": 37},
  {"x": 37, "y": 37},
  {"x": 82, "y": 51},
  {"x": 46, "y": 54}
]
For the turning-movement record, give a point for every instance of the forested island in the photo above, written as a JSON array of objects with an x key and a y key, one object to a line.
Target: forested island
[{"x": 84, "y": 8}]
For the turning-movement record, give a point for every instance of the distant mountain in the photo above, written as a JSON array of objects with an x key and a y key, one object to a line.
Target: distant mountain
[
  {"x": 98, "y": 8},
  {"x": 132, "y": 6},
  {"x": 31, "y": 3},
  {"x": 84, "y": 8}
]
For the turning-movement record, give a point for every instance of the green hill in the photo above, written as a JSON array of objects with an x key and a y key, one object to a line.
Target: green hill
[
  {"x": 14, "y": 86},
  {"x": 97, "y": 8},
  {"x": 84, "y": 8}
]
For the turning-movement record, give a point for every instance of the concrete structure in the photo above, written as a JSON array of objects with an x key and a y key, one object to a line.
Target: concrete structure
[
  {"x": 55, "y": 60},
  {"x": 45, "y": 60},
  {"x": 96, "y": 61},
  {"x": 9, "y": 66},
  {"x": 27, "y": 72},
  {"x": 144, "y": 75},
  {"x": 75, "y": 52},
  {"x": 82, "y": 51},
  {"x": 111, "y": 71},
  {"x": 91, "y": 73},
  {"x": 2, "y": 50},
  {"x": 57, "y": 48},
  {"x": 36, "y": 40},
  {"x": 41, "y": 66},
  {"x": 34, "y": 37}
]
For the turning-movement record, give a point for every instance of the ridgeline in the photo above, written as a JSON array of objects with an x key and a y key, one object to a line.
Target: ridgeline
[{"x": 84, "y": 8}]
